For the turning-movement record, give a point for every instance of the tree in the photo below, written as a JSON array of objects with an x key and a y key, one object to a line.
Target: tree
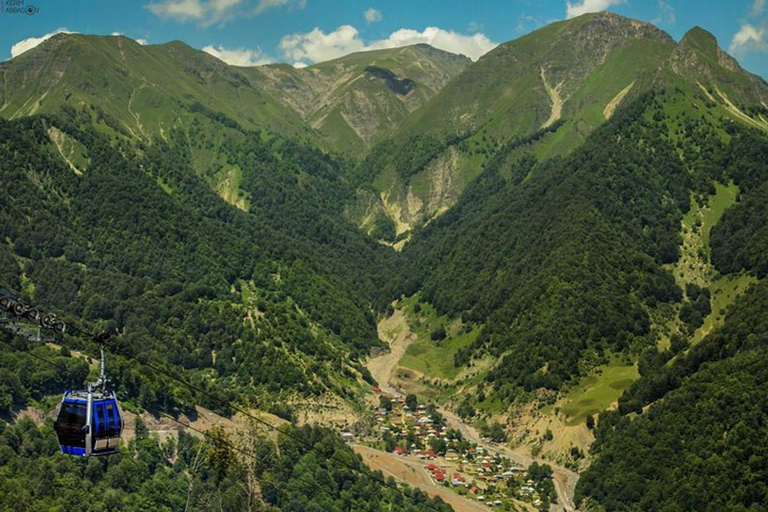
[
  {"x": 496, "y": 432},
  {"x": 438, "y": 334},
  {"x": 140, "y": 429}
]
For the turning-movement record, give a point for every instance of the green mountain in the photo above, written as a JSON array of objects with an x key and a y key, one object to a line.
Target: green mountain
[
  {"x": 276, "y": 300},
  {"x": 571, "y": 70},
  {"x": 564, "y": 259},
  {"x": 592, "y": 192},
  {"x": 698, "y": 440},
  {"x": 567, "y": 78},
  {"x": 147, "y": 91},
  {"x": 144, "y": 91},
  {"x": 355, "y": 100}
]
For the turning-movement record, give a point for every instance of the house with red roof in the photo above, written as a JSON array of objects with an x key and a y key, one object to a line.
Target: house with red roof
[{"x": 401, "y": 451}]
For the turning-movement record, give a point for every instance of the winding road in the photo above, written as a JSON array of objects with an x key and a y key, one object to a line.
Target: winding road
[{"x": 394, "y": 330}]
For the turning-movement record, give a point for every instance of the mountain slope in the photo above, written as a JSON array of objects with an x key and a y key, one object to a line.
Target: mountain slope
[
  {"x": 567, "y": 78},
  {"x": 356, "y": 99},
  {"x": 701, "y": 444},
  {"x": 146, "y": 91},
  {"x": 565, "y": 263},
  {"x": 567, "y": 259},
  {"x": 257, "y": 303},
  {"x": 149, "y": 90},
  {"x": 570, "y": 69}
]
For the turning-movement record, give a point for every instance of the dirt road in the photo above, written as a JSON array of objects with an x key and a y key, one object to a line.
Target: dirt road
[
  {"x": 564, "y": 479},
  {"x": 394, "y": 330},
  {"x": 414, "y": 474}
]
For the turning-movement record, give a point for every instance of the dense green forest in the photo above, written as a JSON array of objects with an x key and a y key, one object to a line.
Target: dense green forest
[
  {"x": 299, "y": 469},
  {"x": 568, "y": 260},
  {"x": 701, "y": 445},
  {"x": 740, "y": 238},
  {"x": 303, "y": 469},
  {"x": 247, "y": 306},
  {"x": 690, "y": 434},
  {"x": 572, "y": 251},
  {"x": 283, "y": 297},
  {"x": 188, "y": 210}
]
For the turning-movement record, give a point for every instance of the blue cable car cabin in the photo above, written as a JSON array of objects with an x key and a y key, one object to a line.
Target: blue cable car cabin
[{"x": 89, "y": 423}]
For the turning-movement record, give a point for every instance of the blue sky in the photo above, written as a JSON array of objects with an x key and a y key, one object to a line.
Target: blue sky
[{"x": 248, "y": 32}]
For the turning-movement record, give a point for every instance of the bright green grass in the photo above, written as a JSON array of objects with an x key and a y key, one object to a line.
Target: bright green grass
[
  {"x": 163, "y": 185},
  {"x": 696, "y": 227},
  {"x": 426, "y": 356},
  {"x": 724, "y": 292},
  {"x": 698, "y": 223},
  {"x": 718, "y": 203},
  {"x": 596, "y": 392},
  {"x": 691, "y": 268},
  {"x": 421, "y": 185},
  {"x": 228, "y": 187}
]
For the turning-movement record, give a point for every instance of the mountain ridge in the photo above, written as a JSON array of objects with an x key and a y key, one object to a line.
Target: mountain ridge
[
  {"x": 542, "y": 198},
  {"x": 577, "y": 71},
  {"x": 173, "y": 75}
]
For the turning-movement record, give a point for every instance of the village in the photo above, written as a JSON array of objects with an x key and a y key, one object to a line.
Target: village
[{"x": 417, "y": 431}]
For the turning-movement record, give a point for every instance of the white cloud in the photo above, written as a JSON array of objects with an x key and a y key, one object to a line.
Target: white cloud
[
  {"x": 758, "y": 7},
  {"x": 209, "y": 12},
  {"x": 666, "y": 14},
  {"x": 239, "y": 56},
  {"x": 180, "y": 10},
  {"x": 317, "y": 46},
  {"x": 749, "y": 37},
  {"x": 300, "y": 65},
  {"x": 141, "y": 41},
  {"x": 264, "y": 5},
  {"x": 30, "y": 42},
  {"x": 373, "y": 16},
  {"x": 585, "y": 6}
]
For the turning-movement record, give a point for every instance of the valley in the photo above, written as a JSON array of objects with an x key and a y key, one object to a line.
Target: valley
[
  {"x": 534, "y": 280},
  {"x": 387, "y": 371}
]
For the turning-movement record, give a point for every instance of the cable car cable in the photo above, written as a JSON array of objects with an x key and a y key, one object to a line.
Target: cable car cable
[
  {"x": 101, "y": 338},
  {"x": 231, "y": 445}
]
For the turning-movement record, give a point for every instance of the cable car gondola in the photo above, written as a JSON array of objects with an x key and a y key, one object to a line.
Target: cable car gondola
[{"x": 90, "y": 422}]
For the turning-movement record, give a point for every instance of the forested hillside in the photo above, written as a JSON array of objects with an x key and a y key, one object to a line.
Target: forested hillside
[
  {"x": 280, "y": 299},
  {"x": 223, "y": 471},
  {"x": 591, "y": 193},
  {"x": 701, "y": 444}
]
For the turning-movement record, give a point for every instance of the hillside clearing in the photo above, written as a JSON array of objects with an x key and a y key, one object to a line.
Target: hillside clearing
[
  {"x": 433, "y": 358},
  {"x": 610, "y": 108},
  {"x": 598, "y": 392},
  {"x": 557, "y": 101},
  {"x": 694, "y": 266}
]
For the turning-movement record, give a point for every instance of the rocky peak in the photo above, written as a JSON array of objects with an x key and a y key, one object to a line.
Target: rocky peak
[
  {"x": 698, "y": 51},
  {"x": 614, "y": 26}
]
